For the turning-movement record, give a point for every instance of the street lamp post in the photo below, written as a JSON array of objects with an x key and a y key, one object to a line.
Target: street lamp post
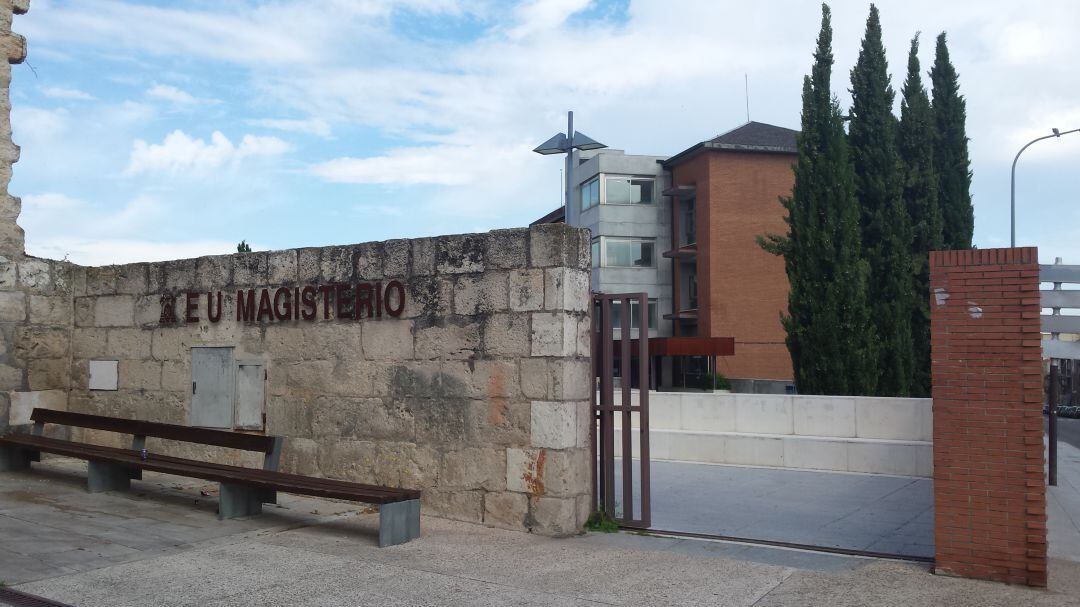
[
  {"x": 1012, "y": 185},
  {"x": 566, "y": 143}
]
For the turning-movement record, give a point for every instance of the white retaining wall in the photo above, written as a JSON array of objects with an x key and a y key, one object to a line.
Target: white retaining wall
[{"x": 838, "y": 433}]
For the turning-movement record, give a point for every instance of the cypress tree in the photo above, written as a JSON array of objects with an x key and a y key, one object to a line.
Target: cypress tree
[
  {"x": 828, "y": 319},
  {"x": 915, "y": 142},
  {"x": 885, "y": 230},
  {"x": 951, "y": 151}
]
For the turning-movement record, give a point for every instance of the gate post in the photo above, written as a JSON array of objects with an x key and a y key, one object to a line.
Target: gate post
[{"x": 989, "y": 489}]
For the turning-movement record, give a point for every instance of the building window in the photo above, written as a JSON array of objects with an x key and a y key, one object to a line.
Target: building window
[
  {"x": 596, "y": 252},
  {"x": 628, "y": 252},
  {"x": 629, "y": 190},
  {"x": 689, "y": 223},
  {"x": 590, "y": 193},
  {"x": 635, "y": 314}
]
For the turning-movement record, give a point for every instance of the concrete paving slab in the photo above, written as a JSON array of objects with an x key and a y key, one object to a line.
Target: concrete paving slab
[
  {"x": 837, "y": 510},
  {"x": 294, "y": 557}
]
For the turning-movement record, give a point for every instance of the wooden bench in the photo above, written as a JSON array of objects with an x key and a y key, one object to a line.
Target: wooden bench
[{"x": 243, "y": 490}]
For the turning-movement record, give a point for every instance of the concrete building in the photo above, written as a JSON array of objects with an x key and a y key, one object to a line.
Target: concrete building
[{"x": 684, "y": 230}]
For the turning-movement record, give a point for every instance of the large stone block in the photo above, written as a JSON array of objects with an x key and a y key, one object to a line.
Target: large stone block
[
  {"x": 439, "y": 421},
  {"x": 498, "y": 421},
  {"x": 12, "y": 306},
  {"x": 289, "y": 416},
  {"x": 553, "y": 334},
  {"x": 536, "y": 380},
  {"x": 460, "y": 254},
  {"x": 148, "y": 310},
  {"x": 84, "y": 311},
  {"x": 337, "y": 264},
  {"x": 34, "y": 274},
  {"x": 447, "y": 340},
  {"x": 37, "y": 342},
  {"x": 370, "y": 261},
  {"x": 8, "y": 273},
  {"x": 49, "y": 374},
  {"x": 129, "y": 343},
  {"x": 571, "y": 379},
  {"x": 396, "y": 258},
  {"x": 525, "y": 470},
  {"x": 339, "y": 417},
  {"x": 11, "y": 378},
  {"x": 89, "y": 342},
  {"x": 24, "y": 403},
  {"x": 179, "y": 275},
  {"x": 507, "y": 248},
  {"x": 390, "y": 339},
  {"x": 281, "y": 267},
  {"x": 506, "y": 335},
  {"x": 481, "y": 294},
  {"x": 176, "y": 375},
  {"x": 566, "y": 290},
  {"x": 506, "y": 510},
  {"x": 51, "y": 310},
  {"x": 250, "y": 269},
  {"x": 526, "y": 290},
  {"x": 554, "y": 516},
  {"x": 132, "y": 279},
  {"x": 428, "y": 296},
  {"x": 300, "y": 456},
  {"x": 554, "y": 424},
  {"x": 139, "y": 375},
  {"x": 214, "y": 272},
  {"x": 102, "y": 280},
  {"x": 422, "y": 260},
  {"x": 114, "y": 311},
  {"x": 467, "y": 506},
  {"x": 552, "y": 245},
  {"x": 473, "y": 468}
]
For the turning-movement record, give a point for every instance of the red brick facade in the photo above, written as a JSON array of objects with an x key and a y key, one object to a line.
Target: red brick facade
[
  {"x": 989, "y": 490},
  {"x": 742, "y": 289}
]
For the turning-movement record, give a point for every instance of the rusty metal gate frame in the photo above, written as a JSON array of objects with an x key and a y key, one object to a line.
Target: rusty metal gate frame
[{"x": 603, "y": 443}]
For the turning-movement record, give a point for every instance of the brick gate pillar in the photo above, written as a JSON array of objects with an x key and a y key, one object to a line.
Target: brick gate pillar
[{"x": 989, "y": 491}]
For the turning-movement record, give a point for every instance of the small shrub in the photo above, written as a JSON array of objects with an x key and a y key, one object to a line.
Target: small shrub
[
  {"x": 715, "y": 381},
  {"x": 600, "y": 521}
]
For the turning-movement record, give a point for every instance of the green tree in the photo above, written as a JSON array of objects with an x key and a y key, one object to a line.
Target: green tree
[
  {"x": 884, "y": 223},
  {"x": 243, "y": 247},
  {"x": 828, "y": 320},
  {"x": 951, "y": 159},
  {"x": 915, "y": 142}
]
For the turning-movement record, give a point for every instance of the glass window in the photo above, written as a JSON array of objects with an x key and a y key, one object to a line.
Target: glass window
[
  {"x": 627, "y": 190},
  {"x": 590, "y": 194},
  {"x": 689, "y": 227},
  {"x": 635, "y": 318},
  {"x": 628, "y": 253},
  {"x": 596, "y": 253}
]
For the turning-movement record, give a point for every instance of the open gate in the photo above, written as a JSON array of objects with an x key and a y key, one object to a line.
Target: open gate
[{"x": 609, "y": 354}]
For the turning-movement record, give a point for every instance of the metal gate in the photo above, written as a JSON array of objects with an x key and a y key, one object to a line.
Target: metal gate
[{"x": 606, "y": 308}]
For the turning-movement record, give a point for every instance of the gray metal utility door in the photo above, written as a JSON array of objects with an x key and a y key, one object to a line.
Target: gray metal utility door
[
  {"x": 250, "y": 379},
  {"x": 213, "y": 382}
]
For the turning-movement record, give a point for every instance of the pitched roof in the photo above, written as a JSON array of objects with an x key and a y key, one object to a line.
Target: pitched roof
[{"x": 750, "y": 137}]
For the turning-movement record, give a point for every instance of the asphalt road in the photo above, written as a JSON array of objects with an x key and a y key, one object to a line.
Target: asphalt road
[{"x": 1069, "y": 431}]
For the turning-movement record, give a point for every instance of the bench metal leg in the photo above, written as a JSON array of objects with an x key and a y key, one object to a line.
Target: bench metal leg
[
  {"x": 101, "y": 476},
  {"x": 399, "y": 522},
  {"x": 237, "y": 500},
  {"x": 15, "y": 458},
  {"x": 269, "y": 496}
]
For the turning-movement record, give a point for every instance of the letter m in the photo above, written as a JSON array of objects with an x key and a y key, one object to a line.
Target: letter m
[{"x": 245, "y": 306}]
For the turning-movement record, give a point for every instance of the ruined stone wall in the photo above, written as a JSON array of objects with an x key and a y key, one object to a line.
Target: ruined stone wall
[
  {"x": 35, "y": 294},
  {"x": 476, "y": 394}
]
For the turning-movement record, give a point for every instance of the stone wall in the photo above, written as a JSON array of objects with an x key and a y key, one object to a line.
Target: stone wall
[
  {"x": 35, "y": 294},
  {"x": 477, "y": 393}
]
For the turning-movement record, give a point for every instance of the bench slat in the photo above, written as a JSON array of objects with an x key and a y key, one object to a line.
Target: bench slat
[
  {"x": 206, "y": 436},
  {"x": 262, "y": 479}
]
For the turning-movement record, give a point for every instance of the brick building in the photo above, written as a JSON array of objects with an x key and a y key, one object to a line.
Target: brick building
[{"x": 684, "y": 230}]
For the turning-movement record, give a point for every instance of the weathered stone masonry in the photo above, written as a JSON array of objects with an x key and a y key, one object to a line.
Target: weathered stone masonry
[{"x": 477, "y": 393}]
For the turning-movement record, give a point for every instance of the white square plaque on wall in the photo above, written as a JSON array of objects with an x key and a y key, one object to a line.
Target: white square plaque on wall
[{"x": 103, "y": 375}]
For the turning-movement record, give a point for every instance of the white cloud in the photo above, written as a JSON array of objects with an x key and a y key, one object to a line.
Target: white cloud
[
  {"x": 104, "y": 251},
  {"x": 178, "y": 151},
  {"x": 50, "y": 201},
  {"x": 450, "y": 165},
  {"x": 60, "y": 92},
  {"x": 310, "y": 126},
  {"x": 172, "y": 94}
]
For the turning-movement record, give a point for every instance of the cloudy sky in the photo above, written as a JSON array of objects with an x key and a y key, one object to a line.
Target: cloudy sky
[{"x": 174, "y": 129}]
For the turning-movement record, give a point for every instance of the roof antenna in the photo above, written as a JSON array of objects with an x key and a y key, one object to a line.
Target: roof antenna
[{"x": 746, "y": 84}]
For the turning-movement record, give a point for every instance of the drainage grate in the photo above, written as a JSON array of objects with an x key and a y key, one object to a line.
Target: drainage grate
[{"x": 21, "y": 599}]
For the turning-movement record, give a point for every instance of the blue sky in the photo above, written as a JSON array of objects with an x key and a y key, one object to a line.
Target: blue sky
[{"x": 174, "y": 129}]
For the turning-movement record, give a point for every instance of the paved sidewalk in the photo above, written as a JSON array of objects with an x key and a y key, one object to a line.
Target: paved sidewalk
[
  {"x": 1063, "y": 506},
  {"x": 154, "y": 546},
  {"x": 874, "y": 512}
]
